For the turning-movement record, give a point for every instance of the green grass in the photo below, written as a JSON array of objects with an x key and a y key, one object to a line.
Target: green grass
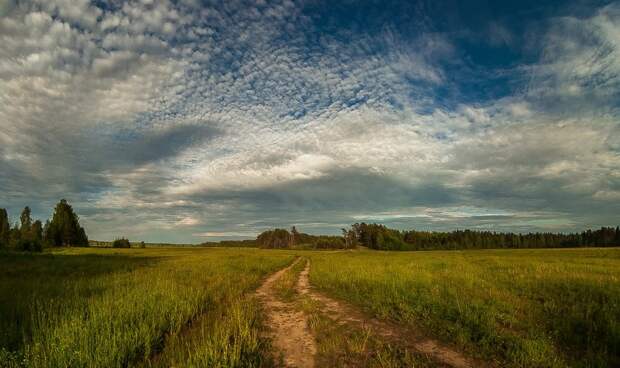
[
  {"x": 521, "y": 308},
  {"x": 350, "y": 346},
  {"x": 193, "y": 306},
  {"x": 285, "y": 286},
  {"x": 343, "y": 345},
  {"x": 113, "y": 308}
]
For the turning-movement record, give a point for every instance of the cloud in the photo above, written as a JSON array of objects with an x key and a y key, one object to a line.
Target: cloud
[
  {"x": 580, "y": 66},
  {"x": 156, "y": 117}
]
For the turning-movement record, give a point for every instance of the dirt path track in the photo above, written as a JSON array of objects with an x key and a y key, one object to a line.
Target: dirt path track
[
  {"x": 346, "y": 314},
  {"x": 289, "y": 329}
]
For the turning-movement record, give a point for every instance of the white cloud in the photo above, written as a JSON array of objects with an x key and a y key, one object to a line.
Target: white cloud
[
  {"x": 78, "y": 84},
  {"x": 580, "y": 56}
]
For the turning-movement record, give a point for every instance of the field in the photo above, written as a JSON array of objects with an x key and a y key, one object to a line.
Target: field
[
  {"x": 526, "y": 308},
  {"x": 197, "y": 307}
]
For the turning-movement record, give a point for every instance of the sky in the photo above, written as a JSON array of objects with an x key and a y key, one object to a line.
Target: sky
[{"x": 192, "y": 121}]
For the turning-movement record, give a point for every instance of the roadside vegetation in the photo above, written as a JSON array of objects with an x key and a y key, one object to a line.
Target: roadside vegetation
[{"x": 520, "y": 308}]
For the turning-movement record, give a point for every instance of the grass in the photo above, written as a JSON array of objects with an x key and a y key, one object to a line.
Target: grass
[
  {"x": 161, "y": 307},
  {"x": 285, "y": 285},
  {"x": 339, "y": 345},
  {"x": 520, "y": 308},
  {"x": 113, "y": 308},
  {"x": 349, "y": 346}
]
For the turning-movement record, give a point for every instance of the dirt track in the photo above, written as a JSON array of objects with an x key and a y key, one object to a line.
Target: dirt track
[
  {"x": 289, "y": 331},
  {"x": 295, "y": 345}
]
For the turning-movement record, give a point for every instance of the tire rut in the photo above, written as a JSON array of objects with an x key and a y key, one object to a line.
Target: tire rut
[
  {"x": 293, "y": 342},
  {"x": 344, "y": 313}
]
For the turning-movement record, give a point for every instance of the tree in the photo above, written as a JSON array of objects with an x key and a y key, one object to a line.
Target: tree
[
  {"x": 14, "y": 236},
  {"x": 31, "y": 240},
  {"x": 46, "y": 229},
  {"x": 121, "y": 243},
  {"x": 277, "y": 238},
  {"x": 26, "y": 222},
  {"x": 65, "y": 229},
  {"x": 37, "y": 231},
  {"x": 350, "y": 239},
  {"x": 294, "y": 236},
  {"x": 5, "y": 228}
]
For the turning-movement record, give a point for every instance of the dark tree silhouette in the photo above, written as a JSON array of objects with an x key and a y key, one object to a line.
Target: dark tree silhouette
[
  {"x": 26, "y": 222},
  {"x": 121, "y": 243},
  {"x": 5, "y": 228},
  {"x": 65, "y": 229}
]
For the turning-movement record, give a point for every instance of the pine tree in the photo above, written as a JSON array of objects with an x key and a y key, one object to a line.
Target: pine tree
[
  {"x": 26, "y": 223},
  {"x": 65, "y": 229}
]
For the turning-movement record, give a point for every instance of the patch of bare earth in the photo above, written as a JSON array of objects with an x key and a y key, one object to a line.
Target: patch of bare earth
[
  {"x": 292, "y": 340},
  {"x": 344, "y": 313}
]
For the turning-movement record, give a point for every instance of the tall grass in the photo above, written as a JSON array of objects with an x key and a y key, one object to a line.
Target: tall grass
[
  {"x": 113, "y": 308},
  {"x": 522, "y": 308}
]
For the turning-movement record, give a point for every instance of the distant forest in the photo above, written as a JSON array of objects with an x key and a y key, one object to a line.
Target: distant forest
[
  {"x": 283, "y": 239},
  {"x": 64, "y": 229},
  {"x": 27, "y": 235},
  {"x": 377, "y": 236},
  {"x": 380, "y": 237}
]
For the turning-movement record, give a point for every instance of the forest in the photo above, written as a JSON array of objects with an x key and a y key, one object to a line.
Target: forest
[
  {"x": 282, "y": 238},
  {"x": 376, "y": 236},
  {"x": 380, "y": 237}
]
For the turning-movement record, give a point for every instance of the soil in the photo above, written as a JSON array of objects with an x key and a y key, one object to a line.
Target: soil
[{"x": 288, "y": 327}]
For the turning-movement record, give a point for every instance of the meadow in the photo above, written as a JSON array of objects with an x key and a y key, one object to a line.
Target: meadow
[
  {"x": 194, "y": 307},
  {"x": 84, "y": 307},
  {"x": 521, "y": 308}
]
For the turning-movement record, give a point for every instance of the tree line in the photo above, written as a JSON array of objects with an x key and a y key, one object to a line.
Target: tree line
[
  {"x": 27, "y": 235},
  {"x": 282, "y": 238},
  {"x": 378, "y": 236}
]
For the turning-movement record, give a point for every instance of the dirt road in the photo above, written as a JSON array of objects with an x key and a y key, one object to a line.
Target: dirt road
[{"x": 293, "y": 342}]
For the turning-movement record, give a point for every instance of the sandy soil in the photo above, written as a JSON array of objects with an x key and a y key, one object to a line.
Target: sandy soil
[
  {"x": 292, "y": 340},
  {"x": 344, "y": 313}
]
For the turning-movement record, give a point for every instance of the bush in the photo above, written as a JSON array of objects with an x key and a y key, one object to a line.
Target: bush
[{"x": 121, "y": 243}]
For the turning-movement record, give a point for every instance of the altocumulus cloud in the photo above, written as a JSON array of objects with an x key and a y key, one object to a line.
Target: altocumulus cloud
[{"x": 191, "y": 120}]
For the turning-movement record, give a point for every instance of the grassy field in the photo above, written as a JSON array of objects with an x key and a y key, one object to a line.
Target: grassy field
[
  {"x": 112, "y": 308},
  {"x": 522, "y": 308},
  {"x": 164, "y": 307}
]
